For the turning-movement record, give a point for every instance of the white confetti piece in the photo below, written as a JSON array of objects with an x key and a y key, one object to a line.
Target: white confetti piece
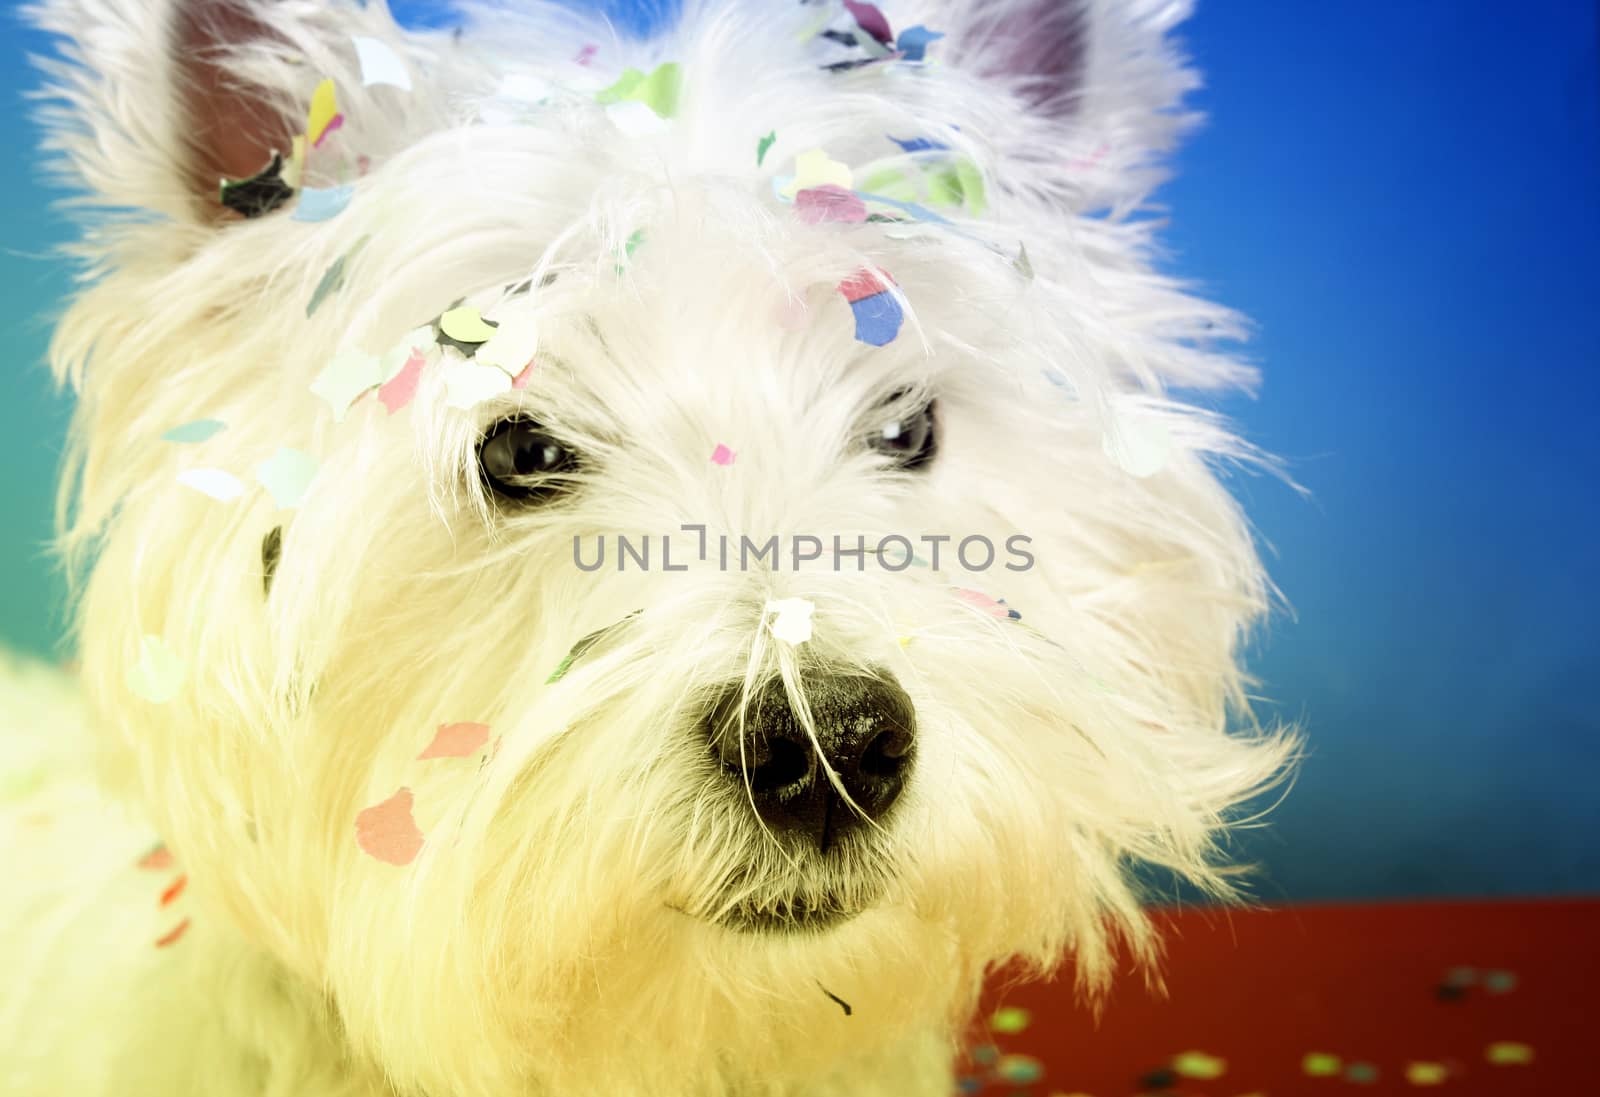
[
  {"x": 286, "y": 475},
  {"x": 345, "y": 378},
  {"x": 792, "y": 620},
  {"x": 1139, "y": 444},
  {"x": 468, "y": 384},
  {"x": 635, "y": 119},
  {"x": 158, "y": 674},
  {"x": 512, "y": 346},
  {"x": 219, "y": 485},
  {"x": 380, "y": 64}
]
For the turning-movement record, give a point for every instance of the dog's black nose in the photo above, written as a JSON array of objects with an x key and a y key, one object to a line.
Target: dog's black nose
[{"x": 866, "y": 729}]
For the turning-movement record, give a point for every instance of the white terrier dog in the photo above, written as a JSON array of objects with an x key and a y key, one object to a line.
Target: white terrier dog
[{"x": 615, "y": 567}]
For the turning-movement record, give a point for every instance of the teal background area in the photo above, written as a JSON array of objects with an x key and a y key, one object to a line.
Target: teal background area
[{"x": 1405, "y": 197}]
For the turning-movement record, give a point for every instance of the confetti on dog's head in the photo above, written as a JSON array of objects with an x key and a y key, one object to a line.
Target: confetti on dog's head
[{"x": 678, "y": 409}]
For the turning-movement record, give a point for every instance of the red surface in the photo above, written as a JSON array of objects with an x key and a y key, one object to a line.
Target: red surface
[{"x": 1262, "y": 989}]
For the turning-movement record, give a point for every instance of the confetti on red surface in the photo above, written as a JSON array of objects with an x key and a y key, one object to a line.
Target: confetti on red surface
[
  {"x": 387, "y": 832},
  {"x": 1508, "y": 1053},
  {"x": 456, "y": 741},
  {"x": 1426, "y": 1074}
]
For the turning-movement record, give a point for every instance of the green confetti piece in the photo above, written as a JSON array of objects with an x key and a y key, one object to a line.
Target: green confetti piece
[
  {"x": 1319, "y": 1064},
  {"x": 1500, "y": 982},
  {"x": 1019, "y": 1069},
  {"x": 20, "y": 784},
  {"x": 984, "y": 1054},
  {"x": 286, "y": 475},
  {"x": 1361, "y": 1073},
  {"x": 1010, "y": 1020},
  {"x": 763, "y": 145},
  {"x": 659, "y": 90},
  {"x": 1197, "y": 1064},
  {"x": 197, "y": 430}
]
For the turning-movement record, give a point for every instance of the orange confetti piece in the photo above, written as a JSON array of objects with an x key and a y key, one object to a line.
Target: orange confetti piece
[
  {"x": 387, "y": 832},
  {"x": 172, "y": 935},
  {"x": 456, "y": 741},
  {"x": 174, "y": 889},
  {"x": 157, "y": 858}
]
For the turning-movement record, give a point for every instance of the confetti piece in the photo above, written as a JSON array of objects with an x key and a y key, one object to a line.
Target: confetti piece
[
  {"x": 984, "y": 1054},
  {"x": 380, "y": 64},
  {"x": 919, "y": 213},
  {"x": 1319, "y": 1064},
  {"x": 286, "y": 475},
  {"x": 1461, "y": 976},
  {"x": 197, "y": 430},
  {"x": 456, "y": 741},
  {"x": 994, "y": 607},
  {"x": 322, "y": 203},
  {"x": 520, "y": 381},
  {"x": 157, "y": 858},
  {"x": 1426, "y": 1074},
  {"x": 1019, "y": 1069},
  {"x": 172, "y": 935},
  {"x": 722, "y": 455},
  {"x": 401, "y": 389},
  {"x": 1361, "y": 1073},
  {"x": 323, "y": 117},
  {"x": 512, "y": 345},
  {"x": 659, "y": 90},
  {"x": 877, "y": 311},
  {"x": 261, "y": 193},
  {"x": 1137, "y": 443},
  {"x": 814, "y": 168},
  {"x": 792, "y": 623},
  {"x": 173, "y": 890},
  {"x": 581, "y": 648},
  {"x": 295, "y": 167},
  {"x": 219, "y": 485},
  {"x": 871, "y": 20},
  {"x": 815, "y": 205},
  {"x": 346, "y": 377},
  {"x": 1008, "y": 1020},
  {"x": 918, "y": 144},
  {"x": 914, "y": 41},
  {"x": 763, "y": 145},
  {"x": 332, "y": 280},
  {"x": 586, "y": 54},
  {"x": 1500, "y": 982},
  {"x": 1022, "y": 263},
  {"x": 158, "y": 674},
  {"x": 1197, "y": 1064},
  {"x": 387, "y": 832},
  {"x": 636, "y": 120},
  {"x": 468, "y": 384},
  {"x": 1506, "y": 1053},
  {"x": 465, "y": 325}
]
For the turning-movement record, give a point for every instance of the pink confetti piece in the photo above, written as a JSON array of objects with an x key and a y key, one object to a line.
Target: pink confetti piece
[
  {"x": 333, "y": 123},
  {"x": 387, "y": 832},
  {"x": 816, "y": 205},
  {"x": 174, "y": 889},
  {"x": 994, "y": 607},
  {"x": 456, "y": 741},
  {"x": 171, "y": 936},
  {"x": 722, "y": 455},
  {"x": 520, "y": 381},
  {"x": 877, "y": 312},
  {"x": 863, "y": 284},
  {"x": 586, "y": 54},
  {"x": 871, "y": 20},
  {"x": 401, "y": 389},
  {"x": 157, "y": 859}
]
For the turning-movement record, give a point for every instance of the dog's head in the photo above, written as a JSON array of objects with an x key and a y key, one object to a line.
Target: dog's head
[{"x": 680, "y": 547}]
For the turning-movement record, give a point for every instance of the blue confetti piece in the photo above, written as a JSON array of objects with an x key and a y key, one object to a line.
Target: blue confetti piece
[
  {"x": 919, "y": 144},
  {"x": 196, "y": 431},
  {"x": 921, "y": 213},
  {"x": 878, "y": 319},
  {"x": 322, "y": 203},
  {"x": 913, "y": 41}
]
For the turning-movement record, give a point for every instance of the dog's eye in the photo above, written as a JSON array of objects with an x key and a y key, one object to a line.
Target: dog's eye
[
  {"x": 519, "y": 459},
  {"x": 909, "y": 436}
]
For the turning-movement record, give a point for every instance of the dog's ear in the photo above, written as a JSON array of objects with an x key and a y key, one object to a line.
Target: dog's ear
[{"x": 150, "y": 105}]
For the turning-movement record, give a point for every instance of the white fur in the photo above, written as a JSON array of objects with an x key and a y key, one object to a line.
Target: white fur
[{"x": 552, "y": 937}]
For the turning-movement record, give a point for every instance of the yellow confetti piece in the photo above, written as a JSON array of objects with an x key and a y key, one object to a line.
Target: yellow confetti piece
[
  {"x": 294, "y": 167},
  {"x": 659, "y": 90},
  {"x": 1319, "y": 1064},
  {"x": 814, "y": 168},
  {"x": 1008, "y": 1020},
  {"x": 465, "y": 325},
  {"x": 1197, "y": 1064},
  {"x": 1508, "y": 1053},
  {"x": 324, "y": 109},
  {"x": 1426, "y": 1074}
]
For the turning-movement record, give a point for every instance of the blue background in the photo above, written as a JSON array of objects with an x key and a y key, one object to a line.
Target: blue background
[{"x": 1405, "y": 197}]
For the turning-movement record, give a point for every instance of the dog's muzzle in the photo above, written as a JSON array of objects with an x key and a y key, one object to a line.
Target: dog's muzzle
[{"x": 865, "y": 728}]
